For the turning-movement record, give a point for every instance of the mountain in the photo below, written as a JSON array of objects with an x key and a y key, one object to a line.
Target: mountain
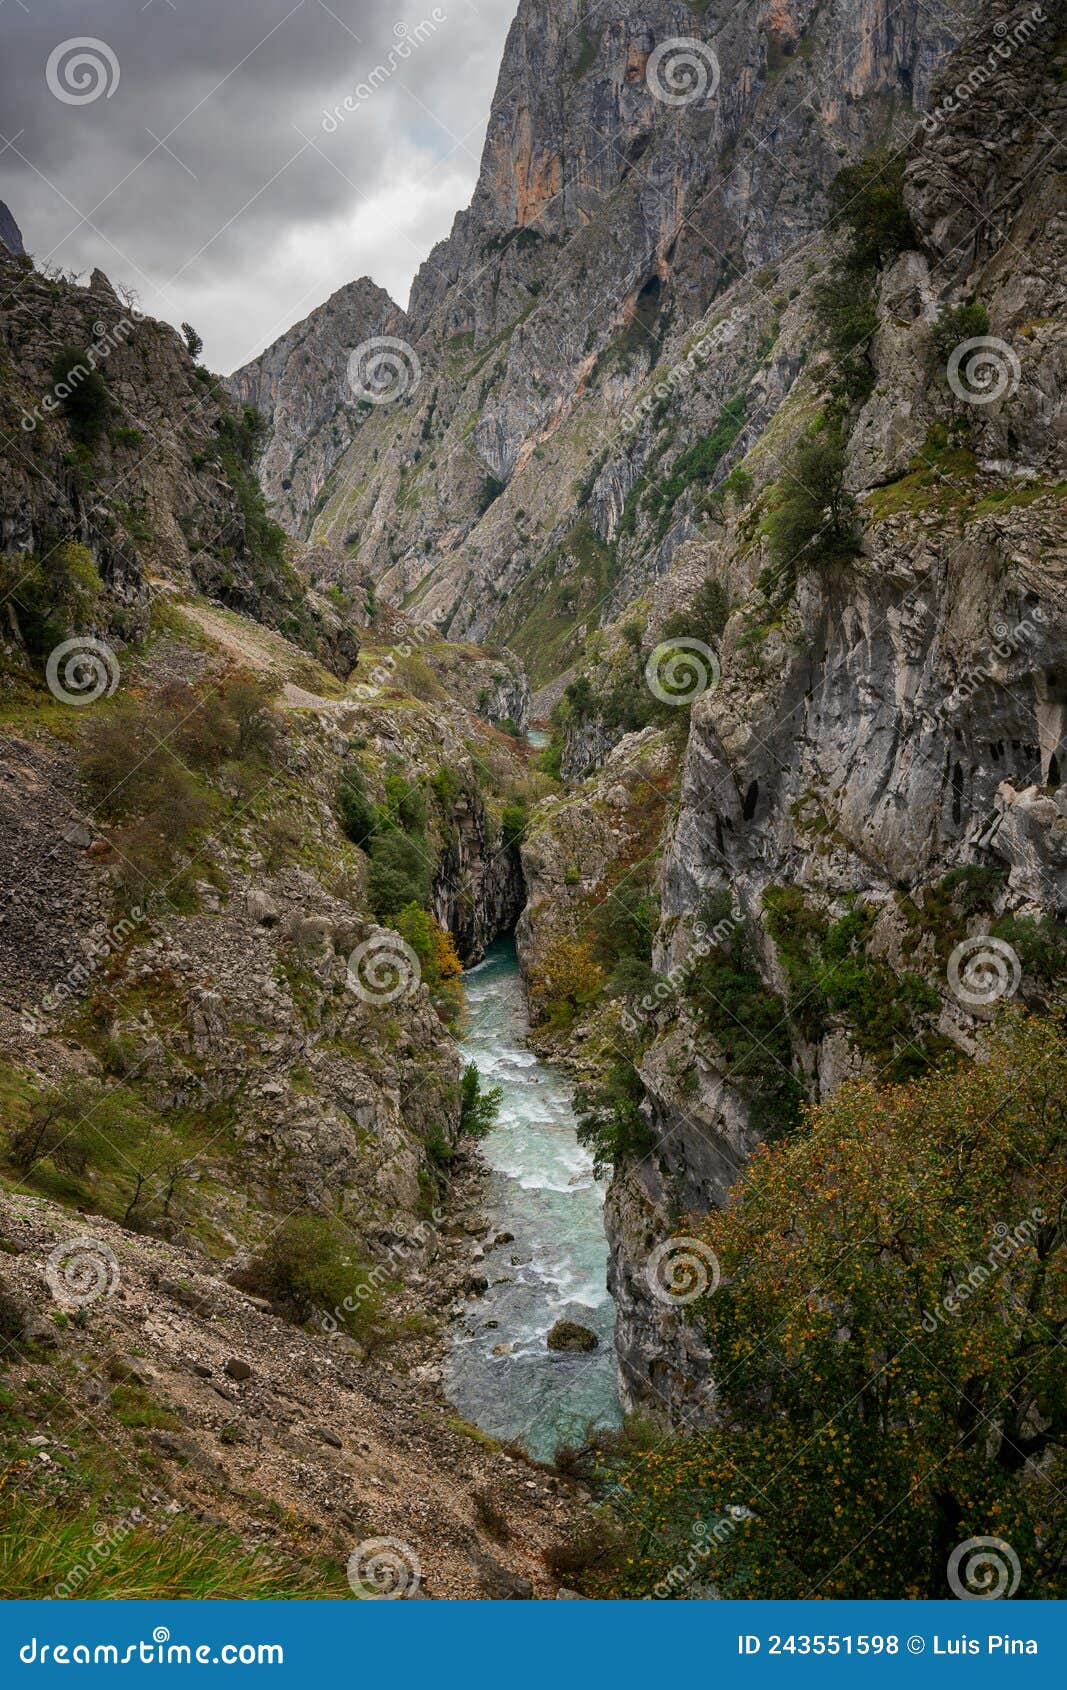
[
  {"x": 612, "y": 218},
  {"x": 303, "y": 391},
  {"x": 734, "y": 404},
  {"x": 10, "y": 233},
  {"x": 853, "y": 850}
]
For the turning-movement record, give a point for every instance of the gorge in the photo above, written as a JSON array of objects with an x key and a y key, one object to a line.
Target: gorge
[{"x": 638, "y": 668}]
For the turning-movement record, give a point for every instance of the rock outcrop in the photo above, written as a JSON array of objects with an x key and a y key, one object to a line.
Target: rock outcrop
[
  {"x": 10, "y": 233},
  {"x": 307, "y": 391}
]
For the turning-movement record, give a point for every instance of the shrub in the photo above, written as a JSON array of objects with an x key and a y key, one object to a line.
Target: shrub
[
  {"x": 707, "y": 617},
  {"x": 447, "y": 786},
  {"x": 439, "y": 964},
  {"x": 888, "y": 1337},
  {"x": 610, "y": 1122},
  {"x": 868, "y": 198},
  {"x": 359, "y": 815},
  {"x": 84, "y": 401},
  {"x": 310, "y": 1267},
  {"x": 54, "y": 599},
  {"x": 514, "y": 822},
  {"x": 406, "y": 802},
  {"x": 399, "y": 874},
  {"x": 566, "y": 978},
  {"x": 813, "y": 522},
  {"x": 960, "y": 322}
]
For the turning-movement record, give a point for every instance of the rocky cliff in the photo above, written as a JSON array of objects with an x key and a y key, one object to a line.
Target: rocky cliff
[
  {"x": 10, "y": 233},
  {"x": 866, "y": 853},
  {"x": 118, "y": 441},
  {"x": 639, "y": 161},
  {"x": 308, "y": 393}
]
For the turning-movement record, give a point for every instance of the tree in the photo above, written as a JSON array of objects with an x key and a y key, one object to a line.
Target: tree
[
  {"x": 82, "y": 393},
  {"x": 192, "y": 340},
  {"x": 815, "y": 519},
  {"x": 887, "y": 1335},
  {"x": 478, "y": 1109},
  {"x": 566, "y": 977},
  {"x": 868, "y": 198}
]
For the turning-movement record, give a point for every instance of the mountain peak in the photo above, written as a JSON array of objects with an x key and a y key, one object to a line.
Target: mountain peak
[{"x": 10, "y": 233}]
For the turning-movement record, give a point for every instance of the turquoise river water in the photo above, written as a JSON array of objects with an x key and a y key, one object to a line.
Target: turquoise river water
[{"x": 541, "y": 1188}]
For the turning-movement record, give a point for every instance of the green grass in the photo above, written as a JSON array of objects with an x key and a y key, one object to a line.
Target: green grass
[{"x": 46, "y": 1552}]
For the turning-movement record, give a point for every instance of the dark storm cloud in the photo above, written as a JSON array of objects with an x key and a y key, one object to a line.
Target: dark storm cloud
[{"x": 209, "y": 173}]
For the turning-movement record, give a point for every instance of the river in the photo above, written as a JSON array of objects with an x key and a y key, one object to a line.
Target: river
[{"x": 541, "y": 1188}]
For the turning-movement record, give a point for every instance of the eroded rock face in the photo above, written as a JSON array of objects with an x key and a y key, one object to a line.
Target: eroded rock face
[
  {"x": 903, "y": 722},
  {"x": 178, "y": 517},
  {"x": 605, "y": 222},
  {"x": 897, "y": 724},
  {"x": 10, "y": 233},
  {"x": 302, "y": 388}
]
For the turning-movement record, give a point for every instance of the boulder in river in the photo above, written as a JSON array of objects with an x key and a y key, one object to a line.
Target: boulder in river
[{"x": 568, "y": 1335}]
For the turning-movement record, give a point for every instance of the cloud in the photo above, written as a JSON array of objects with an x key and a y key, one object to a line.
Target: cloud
[{"x": 208, "y": 172}]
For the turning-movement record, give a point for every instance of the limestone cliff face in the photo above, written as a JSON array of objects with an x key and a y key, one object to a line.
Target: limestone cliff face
[
  {"x": 611, "y": 212},
  {"x": 901, "y": 732},
  {"x": 301, "y": 388}
]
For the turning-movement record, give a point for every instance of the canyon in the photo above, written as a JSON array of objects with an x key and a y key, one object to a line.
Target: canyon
[{"x": 819, "y": 850}]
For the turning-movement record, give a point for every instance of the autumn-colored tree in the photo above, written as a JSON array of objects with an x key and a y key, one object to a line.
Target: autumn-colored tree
[
  {"x": 888, "y": 1339},
  {"x": 438, "y": 959},
  {"x": 565, "y": 978}
]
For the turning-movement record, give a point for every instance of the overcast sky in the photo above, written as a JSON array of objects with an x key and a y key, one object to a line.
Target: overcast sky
[{"x": 205, "y": 170}]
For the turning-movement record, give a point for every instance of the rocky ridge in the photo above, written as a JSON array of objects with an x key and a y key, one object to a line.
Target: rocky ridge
[
  {"x": 879, "y": 770},
  {"x": 611, "y": 231}
]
